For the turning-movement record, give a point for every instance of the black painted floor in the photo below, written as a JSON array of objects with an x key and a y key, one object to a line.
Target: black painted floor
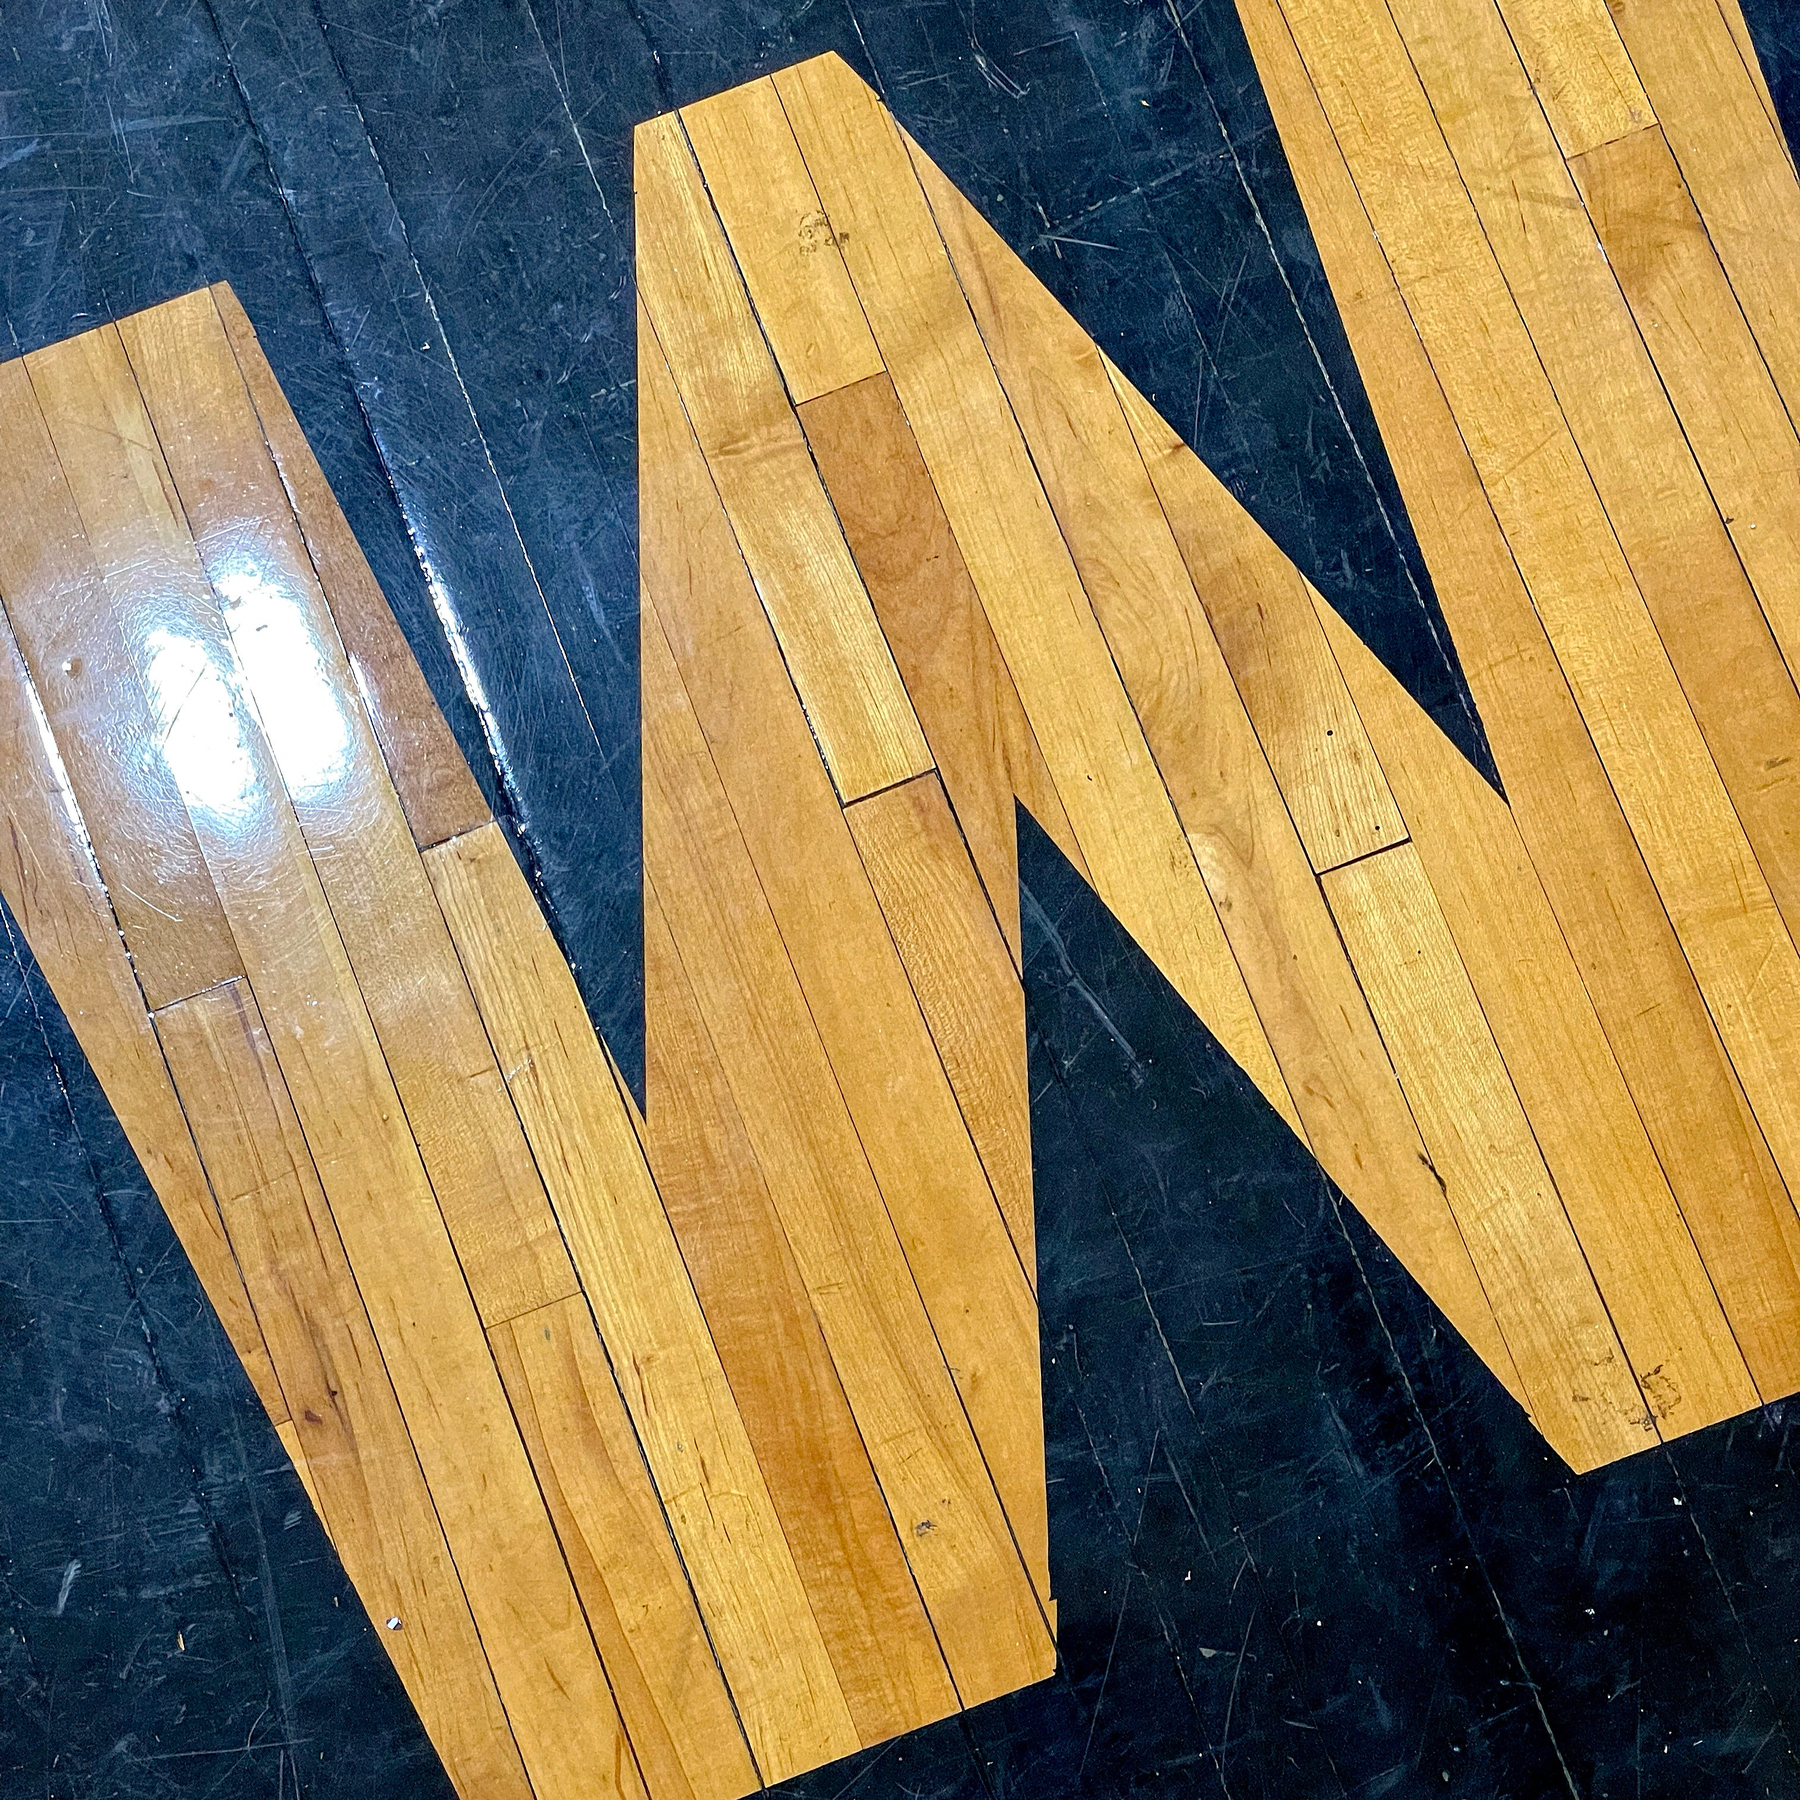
[{"x": 1302, "y": 1544}]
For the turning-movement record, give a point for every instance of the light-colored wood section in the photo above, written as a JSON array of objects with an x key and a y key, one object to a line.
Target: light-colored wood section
[
  {"x": 624, "y": 1563},
  {"x": 425, "y": 1323},
  {"x": 1579, "y": 71},
  {"x": 1603, "y": 637},
  {"x": 1739, "y": 28},
  {"x": 1540, "y": 1014},
  {"x": 1243, "y": 838},
  {"x": 440, "y": 795},
  {"x": 1093, "y": 744},
  {"x": 793, "y": 1406},
  {"x": 1657, "y": 248},
  {"x": 967, "y": 987},
  {"x": 1260, "y": 609},
  {"x": 975, "y": 1589},
  {"x": 732, "y": 392},
  {"x": 405, "y": 965},
  {"x": 54, "y": 891},
  {"x": 1680, "y": 555},
  {"x": 132, "y": 813},
  {"x": 351, "y": 1441},
  {"x": 1566, "y": 811},
  {"x": 632, "y": 1273},
  {"x": 984, "y": 747},
  {"x": 866, "y": 1014},
  {"x": 1733, "y": 157},
  {"x": 783, "y": 242},
  {"x": 1577, "y": 1382}
]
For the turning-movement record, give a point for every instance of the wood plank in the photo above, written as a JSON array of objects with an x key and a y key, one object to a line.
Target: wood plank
[
  {"x": 1658, "y": 250},
  {"x": 732, "y": 390},
  {"x": 979, "y": 736},
  {"x": 1567, "y": 813},
  {"x": 285, "y": 643},
  {"x": 1253, "y": 863},
  {"x": 624, "y": 1563},
  {"x": 351, "y": 1442},
  {"x": 131, "y": 810},
  {"x": 1617, "y": 1197},
  {"x": 1632, "y": 445},
  {"x": 1605, "y": 642},
  {"x": 967, "y": 986},
  {"x": 1746, "y": 45},
  {"x": 57, "y": 898},
  {"x": 1733, "y": 157},
  {"x": 631, "y": 1270},
  {"x": 1579, "y": 71},
  {"x": 425, "y": 1322},
  {"x": 1091, "y": 739},
  {"x": 963, "y": 1557},
  {"x": 788, "y": 1393},
  {"x": 784, "y": 244},
  {"x": 935, "y": 1190},
  {"x": 436, "y": 788},
  {"x": 1578, "y": 1383},
  {"x": 1260, "y": 609}
]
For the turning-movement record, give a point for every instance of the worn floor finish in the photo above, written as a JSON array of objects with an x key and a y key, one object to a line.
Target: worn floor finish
[{"x": 1616, "y": 1634}]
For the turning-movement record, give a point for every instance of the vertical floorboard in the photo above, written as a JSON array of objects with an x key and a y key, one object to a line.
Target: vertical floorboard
[
  {"x": 925, "y": 1455},
  {"x": 979, "y": 736},
  {"x": 425, "y": 1322},
  {"x": 931, "y": 1179},
  {"x": 286, "y": 644},
  {"x": 793, "y": 1406},
  {"x": 632, "y": 1273},
  {"x": 440, "y": 795},
  {"x": 692, "y": 292},
  {"x": 359, "y": 1460}
]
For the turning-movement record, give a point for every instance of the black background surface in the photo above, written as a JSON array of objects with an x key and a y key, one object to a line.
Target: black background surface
[{"x": 1301, "y": 1542}]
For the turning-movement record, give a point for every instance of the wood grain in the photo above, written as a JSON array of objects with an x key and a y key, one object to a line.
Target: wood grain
[
  {"x": 1579, "y": 842},
  {"x": 57, "y": 898},
  {"x": 1632, "y": 447},
  {"x": 984, "y": 746},
  {"x": 1250, "y": 857},
  {"x": 105, "y": 735},
  {"x": 1661, "y": 1299},
  {"x": 406, "y": 968},
  {"x": 866, "y": 1014},
  {"x": 1658, "y": 250},
  {"x": 1260, "y": 609},
  {"x": 1577, "y": 1382},
  {"x": 793, "y": 1406},
  {"x": 1091, "y": 739},
  {"x": 1579, "y": 71},
  {"x": 354, "y": 1449},
  {"x": 967, "y": 986},
  {"x": 962, "y": 1554},
  {"x": 427, "y": 1327},
  {"x": 1679, "y": 813},
  {"x": 436, "y": 788},
  {"x": 732, "y": 391},
  {"x": 633, "y": 1276},
  {"x": 624, "y": 1563},
  {"x": 784, "y": 244},
  {"x": 1697, "y": 64}
]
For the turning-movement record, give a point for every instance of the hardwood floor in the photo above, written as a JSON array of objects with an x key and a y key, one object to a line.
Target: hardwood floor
[{"x": 681, "y": 1451}]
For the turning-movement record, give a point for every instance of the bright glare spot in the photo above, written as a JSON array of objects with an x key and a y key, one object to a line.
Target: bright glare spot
[
  {"x": 301, "y": 710},
  {"x": 202, "y": 734}
]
